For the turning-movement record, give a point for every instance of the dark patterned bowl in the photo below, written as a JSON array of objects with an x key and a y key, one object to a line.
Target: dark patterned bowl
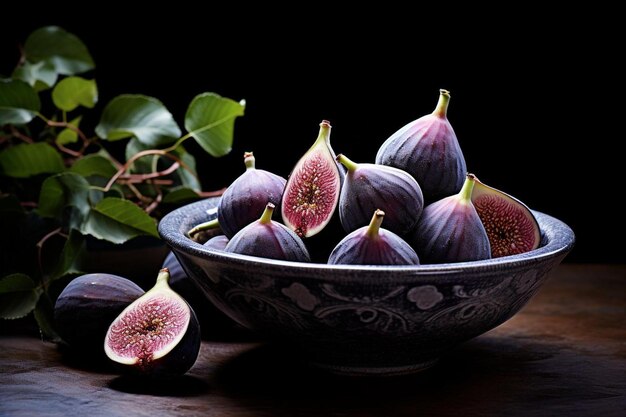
[{"x": 365, "y": 319}]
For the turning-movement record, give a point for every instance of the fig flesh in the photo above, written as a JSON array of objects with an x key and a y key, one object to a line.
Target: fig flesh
[
  {"x": 158, "y": 335},
  {"x": 368, "y": 187},
  {"x": 451, "y": 231},
  {"x": 244, "y": 200},
  {"x": 312, "y": 191},
  {"x": 268, "y": 239},
  {"x": 87, "y": 306},
  {"x": 428, "y": 149},
  {"x": 510, "y": 225},
  {"x": 373, "y": 245}
]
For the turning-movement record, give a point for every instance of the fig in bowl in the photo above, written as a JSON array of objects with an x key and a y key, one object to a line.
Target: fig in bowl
[{"x": 363, "y": 319}]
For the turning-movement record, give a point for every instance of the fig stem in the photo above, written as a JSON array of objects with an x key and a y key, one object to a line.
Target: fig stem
[
  {"x": 266, "y": 217},
  {"x": 163, "y": 277},
  {"x": 468, "y": 186},
  {"x": 210, "y": 225},
  {"x": 248, "y": 159},
  {"x": 350, "y": 165},
  {"x": 374, "y": 227},
  {"x": 442, "y": 105},
  {"x": 324, "y": 134}
]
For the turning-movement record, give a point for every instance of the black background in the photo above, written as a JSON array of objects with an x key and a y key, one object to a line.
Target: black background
[{"x": 533, "y": 104}]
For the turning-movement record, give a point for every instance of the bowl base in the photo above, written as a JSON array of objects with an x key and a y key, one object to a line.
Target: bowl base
[{"x": 376, "y": 370}]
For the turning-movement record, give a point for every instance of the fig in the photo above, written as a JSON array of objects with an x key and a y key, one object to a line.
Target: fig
[
  {"x": 450, "y": 230},
  {"x": 510, "y": 225},
  {"x": 368, "y": 187},
  {"x": 158, "y": 335},
  {"x": 268, "y": 239},
  {"x": 244, "y": 200},
  {"x": 373, "y": 245},
  {"x": 428, "y": 149},
  {"x": 87, "y": 306},
  {"x": 312, "y": 191},
  {"x": 218, "y": 242}
]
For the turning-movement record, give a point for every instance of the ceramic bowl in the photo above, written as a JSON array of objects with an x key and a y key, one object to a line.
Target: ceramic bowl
[{"x": 373, "y": 320}]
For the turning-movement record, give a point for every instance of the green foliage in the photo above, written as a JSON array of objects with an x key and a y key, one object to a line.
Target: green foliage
[
  {"x": 210, "y": 119},
  {"x": 144, "y": 118},
  {"x": 57, "y": 178},
  {"x": 19, "y": 102}
]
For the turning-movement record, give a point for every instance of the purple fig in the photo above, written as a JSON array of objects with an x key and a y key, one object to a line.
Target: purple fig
[
  {"x": 373, "y": 245},
  {"x": 218, "y": 242},
  {"x": 510, "y": 225},
  {"x": 451, "y": 231},
  {"x": 312, "y": 191},
  {"x": 158, "y": 335},
  {"x": 368, "y": 187},
  {"x": 87, "y": 306},
  {"x": 268, "y": 239},
  {"x": 244, "y": 200},
  {"x": 427, "y": 148}
]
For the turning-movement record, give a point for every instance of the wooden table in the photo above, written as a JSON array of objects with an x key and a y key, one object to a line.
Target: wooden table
[{"x": 564, "y": 354}]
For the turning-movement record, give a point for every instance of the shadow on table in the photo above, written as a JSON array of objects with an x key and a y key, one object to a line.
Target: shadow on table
[
  {"x": 480, "y": 376},
  {"x": 182, "y": 386}
]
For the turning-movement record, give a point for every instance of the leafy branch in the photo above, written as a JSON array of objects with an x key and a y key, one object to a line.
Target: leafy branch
[{"x": 54, "y": 173}]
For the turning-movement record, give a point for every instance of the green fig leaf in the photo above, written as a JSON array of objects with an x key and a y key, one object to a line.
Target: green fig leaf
[
  {"x": 179, "y": 195},
  {"x": 44, "y": 315},
  {"x": 68, "y": 135},
  {"x": 210, "y": 120},
  {"x": 19, "y": 102},
  {"x": 28, "y": 159},
  {"x": 145, "y": 118},
  {"x": 69, "y": 260},
  {"x": 18, "y": 296},
  {"x": 118, "y": 220},
  {"x": 94, "y": 164},
  {"x": 187, "y": 179},
  {"x": 67, "y": 54},
  {"x": 72, "y": 92},
  {"x": 60, "y": 191},
  {"x": 40, "y": 75}
]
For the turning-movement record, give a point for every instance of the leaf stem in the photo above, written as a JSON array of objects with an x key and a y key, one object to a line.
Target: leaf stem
[
  {"x": 42, "y": 241},
  {"x": 20, "y": 135}
]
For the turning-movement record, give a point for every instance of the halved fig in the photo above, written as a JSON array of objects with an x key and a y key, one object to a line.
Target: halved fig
[
  {"x": 312, "y": 191},
  {"x": 510, "y": 225},
  {"x": 158, "y": 335}
]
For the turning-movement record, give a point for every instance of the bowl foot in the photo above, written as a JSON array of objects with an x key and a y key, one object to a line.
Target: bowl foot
[{"x": 376, "y": 370}]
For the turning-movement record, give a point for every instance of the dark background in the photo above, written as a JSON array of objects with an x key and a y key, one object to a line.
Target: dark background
[{"x": 532, "y": 103}]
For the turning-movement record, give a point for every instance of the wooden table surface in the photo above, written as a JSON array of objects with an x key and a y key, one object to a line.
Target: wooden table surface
[{"x": 564, "y": 354}]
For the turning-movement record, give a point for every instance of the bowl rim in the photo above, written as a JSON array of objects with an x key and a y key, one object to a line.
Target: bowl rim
[{"x": 557, "y": 240}]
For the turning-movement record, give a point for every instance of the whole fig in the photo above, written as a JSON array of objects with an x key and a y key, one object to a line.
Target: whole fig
[
  {"x": 218, "y": 242},
  {"x": 87, "y": 306},
  {"x": 451, "y": 231},
  {"x": 268, "y": 239},
  {"x": 368, "y": 187},
  {"x": 244, "y": 200},
  {"x": 427, "y": 148},
  {"x": 373, "y": 245}
]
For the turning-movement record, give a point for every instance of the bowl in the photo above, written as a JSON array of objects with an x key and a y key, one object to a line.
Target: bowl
[{"x": 365, "y": 320}]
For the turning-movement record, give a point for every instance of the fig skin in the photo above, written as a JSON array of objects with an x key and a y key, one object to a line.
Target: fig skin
[
  {"x": 368, "y": 187},
  {"x": 373, "y": 245},
  {"x": 510, "y": 225},
  {"x": 428, "y": 149},
  {"x": 87, "y": 306},
  {"x": 244, "y": 200},
  {"x": 218, "y": 242},
  {"x": 269, "y": 239},
  {"x": 451, "y": 231},
  {"x": 312, "y": 191},
  {"x": 173, "y": 363}
]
